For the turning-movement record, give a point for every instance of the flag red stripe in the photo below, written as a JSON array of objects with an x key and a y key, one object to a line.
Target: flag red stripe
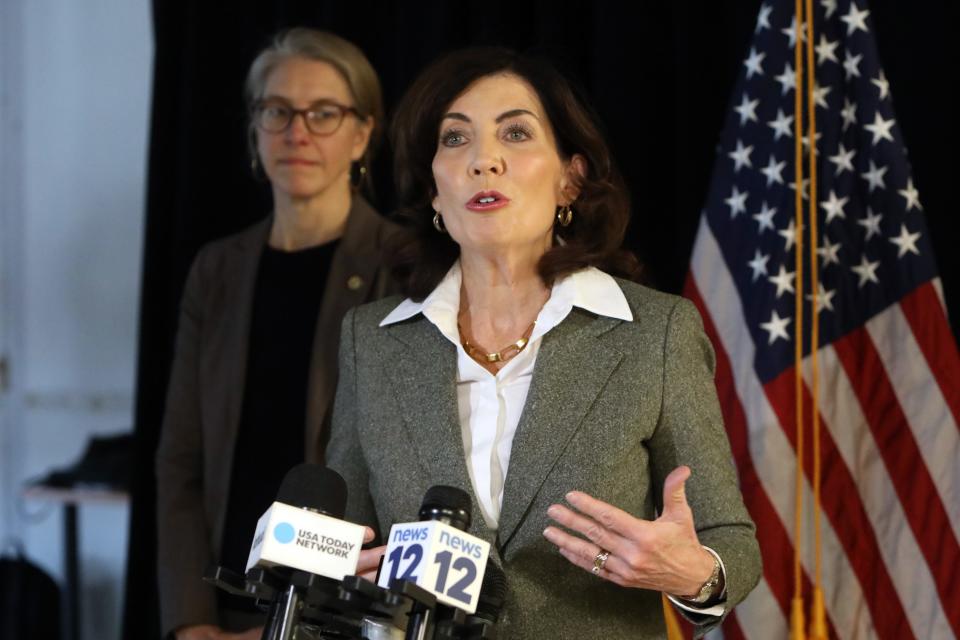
[
  {"x": 839, "y": 499},
  {"x": 775, "y": 545},
  {"x": 932, "y": 332},
  {"x": 921, "y": 502}
]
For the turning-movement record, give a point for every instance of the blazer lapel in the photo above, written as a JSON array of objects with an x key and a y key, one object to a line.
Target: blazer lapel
[
  {"x": 349, "y": 283},
  {"x": 422, "y": 368},
  {"x": 229, "y": 379},
  {"x": 571, "y": 370}
]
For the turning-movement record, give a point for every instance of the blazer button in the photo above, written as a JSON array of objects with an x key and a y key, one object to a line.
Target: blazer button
[{"x": 354, "y": 282}]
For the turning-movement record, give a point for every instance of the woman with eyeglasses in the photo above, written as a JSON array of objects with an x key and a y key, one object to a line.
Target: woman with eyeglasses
[{"x": 256, "y": 354}]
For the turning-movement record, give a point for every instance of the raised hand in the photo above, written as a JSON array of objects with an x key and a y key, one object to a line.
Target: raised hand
[{"x": 663, "y": 554}]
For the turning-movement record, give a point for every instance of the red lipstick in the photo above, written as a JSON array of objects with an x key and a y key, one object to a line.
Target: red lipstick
[{"x": 487, "y": 201}]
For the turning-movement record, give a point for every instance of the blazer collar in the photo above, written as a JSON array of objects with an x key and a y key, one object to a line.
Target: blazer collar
[{"x": 589, "y": 289}]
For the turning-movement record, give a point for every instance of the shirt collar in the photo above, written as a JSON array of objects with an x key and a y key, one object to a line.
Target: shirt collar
[{"x": 589, "y": 288}]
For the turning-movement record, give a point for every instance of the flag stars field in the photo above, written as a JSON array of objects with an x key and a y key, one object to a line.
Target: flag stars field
[
  {"x": 828, "y": 252},
  {"x": 827, "y": 50},
  {"x": 874, "y": 177},
  {"x": 737, "y": 202},
  {"x": 833, "y": 206},
  {"x": 843, "y": 159},
  {"x": 783, "y": 280},
  {"x": 765, "y": 217},
  {"x": 759, "y": 265},
  {"x": 906, "y": 242},
  {"x": 911, "y": 195},
  {"x": 856, "y": 19},
  {"x": 880, "y": 128},
  {"x": 776, "y": 327},
  {"x": 871, "y": 223},
  {"x": 824, "y": 298},
  {"x": 741, "y": 156},
  {"x": 747, "y": 109},
  {"x": 754, "y": 63},
  {"x": 851, "y": 64},
  {"x": 782, "y": 125},
  {"x": 867, "y": 271}
]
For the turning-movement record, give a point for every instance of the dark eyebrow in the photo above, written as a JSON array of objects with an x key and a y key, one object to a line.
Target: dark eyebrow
[
  {"x": 514, "y": 113},
  {"x": 454, "y": 115},
  {"x": 285, "y": 100}
]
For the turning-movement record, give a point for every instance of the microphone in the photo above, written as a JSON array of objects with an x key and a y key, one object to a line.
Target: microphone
[
  {"x": 493, "y": 593},
  {"x": 303, "y": 530},
  {"x": 436, "y": 553}
]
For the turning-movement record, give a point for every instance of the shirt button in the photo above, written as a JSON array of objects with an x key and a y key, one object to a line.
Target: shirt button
[{"x": 354, "y": 282}]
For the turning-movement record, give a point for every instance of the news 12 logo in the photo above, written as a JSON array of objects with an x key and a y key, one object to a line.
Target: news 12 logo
[
  {"x": 447, "y": 562},
  {"x": 284, "y": 533}
]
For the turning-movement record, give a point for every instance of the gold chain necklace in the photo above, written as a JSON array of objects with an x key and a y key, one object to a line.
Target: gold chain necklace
[{"x": 503, "y": 355}]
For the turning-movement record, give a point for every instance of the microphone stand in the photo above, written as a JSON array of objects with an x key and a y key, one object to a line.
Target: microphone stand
[
  {"x": 288, "y": 618},
  {"x": 301, "y": 605}
]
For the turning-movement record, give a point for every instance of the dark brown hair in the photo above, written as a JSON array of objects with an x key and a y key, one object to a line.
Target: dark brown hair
[{"x": 420, "y": 256}]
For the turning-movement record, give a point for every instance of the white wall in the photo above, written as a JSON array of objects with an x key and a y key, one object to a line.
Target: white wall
[{"x": 74, "y": 111}]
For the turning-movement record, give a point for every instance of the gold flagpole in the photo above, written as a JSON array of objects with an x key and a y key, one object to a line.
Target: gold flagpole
[
  {"x": 796, "y": 615},
  {"x": 818, "y": 626}
]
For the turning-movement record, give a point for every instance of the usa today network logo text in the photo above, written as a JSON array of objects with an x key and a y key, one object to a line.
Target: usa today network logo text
[{"x": 285, "y": 533}]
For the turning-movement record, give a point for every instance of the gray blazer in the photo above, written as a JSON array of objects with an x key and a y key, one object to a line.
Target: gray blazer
[
  {"x": 614, "y": 406},
  {"x": 205, "y": 395}
]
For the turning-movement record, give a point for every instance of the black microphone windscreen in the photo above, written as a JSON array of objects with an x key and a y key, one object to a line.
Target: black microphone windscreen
[
  {"x": 442, "y": 495},
  {"x": 313, "y": 486},
  {"x": 493, "y": 592},
  {"x": 447, "y": 504}
]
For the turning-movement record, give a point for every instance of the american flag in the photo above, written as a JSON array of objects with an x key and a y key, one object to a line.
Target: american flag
[{"x": 889, "y": 367}]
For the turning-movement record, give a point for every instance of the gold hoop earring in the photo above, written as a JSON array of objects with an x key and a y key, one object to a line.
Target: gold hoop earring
[
  {"x": 438, "y": 223},
  {"x": 565, "y": 215}
]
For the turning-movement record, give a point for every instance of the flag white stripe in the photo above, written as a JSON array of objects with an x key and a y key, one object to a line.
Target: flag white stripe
[
  {"x": 771, "y": 453},
  {"x": 938, "y": 287},
  {"x": 924, "y": 406},
  {"x": 899, "y": 549},
  {"x": 760, "y": 615}
]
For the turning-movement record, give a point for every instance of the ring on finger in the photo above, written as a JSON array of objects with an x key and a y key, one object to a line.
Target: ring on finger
[{"x": 599, "y": 561}]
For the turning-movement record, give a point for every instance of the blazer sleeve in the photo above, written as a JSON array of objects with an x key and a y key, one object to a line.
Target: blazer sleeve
[
  {"x": 690, "y": 431},
  {"x": 183, "y": 542},
  {"x": 345, "y": 452}
]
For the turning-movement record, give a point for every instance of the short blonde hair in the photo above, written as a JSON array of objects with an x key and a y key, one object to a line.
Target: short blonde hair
[{"x": 323, "y": 46}]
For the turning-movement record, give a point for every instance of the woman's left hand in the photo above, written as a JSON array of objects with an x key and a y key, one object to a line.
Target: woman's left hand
[{"x": 663, "y": 554}]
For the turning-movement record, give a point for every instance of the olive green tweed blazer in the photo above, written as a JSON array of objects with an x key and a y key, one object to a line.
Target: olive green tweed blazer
[{"x": 614, "y": 406}]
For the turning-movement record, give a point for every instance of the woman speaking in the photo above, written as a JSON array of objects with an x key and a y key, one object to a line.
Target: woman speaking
[{"x": 577, "y": 407}]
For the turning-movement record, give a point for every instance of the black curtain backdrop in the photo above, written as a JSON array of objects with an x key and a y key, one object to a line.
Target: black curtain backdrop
[{"x": 659, "y": 73}]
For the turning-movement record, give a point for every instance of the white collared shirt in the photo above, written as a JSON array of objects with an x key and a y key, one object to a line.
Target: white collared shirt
[{"x": 490, "y": 404}]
